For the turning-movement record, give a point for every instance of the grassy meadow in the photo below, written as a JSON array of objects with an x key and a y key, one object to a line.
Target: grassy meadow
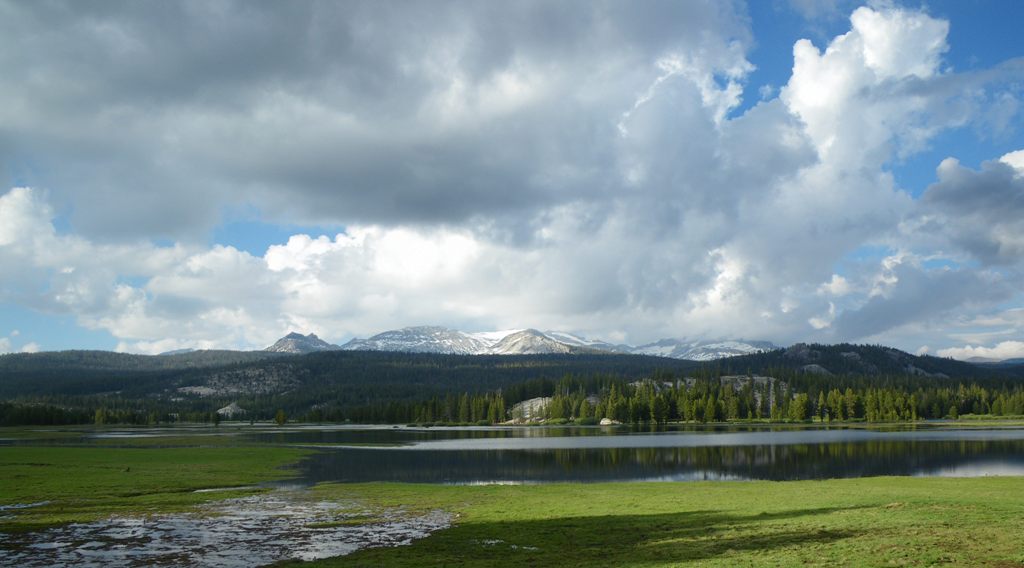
[
  {"x": 881, "y": 521},
  {"x": 85, "y": 483}
]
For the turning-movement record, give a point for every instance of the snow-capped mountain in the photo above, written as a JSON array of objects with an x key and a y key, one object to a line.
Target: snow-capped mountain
[
  {"x": 298, "y": 343},
  {"x": 575, "y": 340},
  {"x": 533, "y": 342},
  {"x": 435, "y": 339},
  {"x": 702, "y": 350},
  {"x": 423, "y": 339}
]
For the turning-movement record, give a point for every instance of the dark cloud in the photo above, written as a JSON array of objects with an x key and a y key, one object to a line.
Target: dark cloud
[
  {"x": 147, "y": 118},
  {"x": 980, "y": 212},
  {"x": 917, "y": 295}
]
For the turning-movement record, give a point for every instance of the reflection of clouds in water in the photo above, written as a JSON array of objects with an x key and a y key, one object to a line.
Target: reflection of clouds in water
[
  {"x": 239, "y": 532},
  {"x": 715, "y": 439},
  {"x": 884, "y": 455},
  {"x": 700, "y": 475},
  {"x": 977, "y": 469}
]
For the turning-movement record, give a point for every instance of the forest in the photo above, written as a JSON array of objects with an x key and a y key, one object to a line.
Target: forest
[
  {"x": 804, "y": 382},
  {"x": 707, "y": 398}
]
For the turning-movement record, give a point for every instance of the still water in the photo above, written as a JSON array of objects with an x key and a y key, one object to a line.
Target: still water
[{"x": 539, "y": 455}]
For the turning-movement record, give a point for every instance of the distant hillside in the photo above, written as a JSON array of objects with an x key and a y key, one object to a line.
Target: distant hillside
[
  {"x": 296, "y": 382},
  {"x": 262, "y": 382},
  {"x": 1016, "y": 362},
  {"x": 846, "y": 359},
  {"x": 111, "y": 361}
]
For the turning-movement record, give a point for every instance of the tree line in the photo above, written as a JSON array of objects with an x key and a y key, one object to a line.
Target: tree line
[
  {"x": 666, "y": 398},
  {"x": 697, "y": 395}
]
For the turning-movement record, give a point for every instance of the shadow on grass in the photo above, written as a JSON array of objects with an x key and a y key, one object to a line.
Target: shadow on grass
[{"x": 614, "y": 540}]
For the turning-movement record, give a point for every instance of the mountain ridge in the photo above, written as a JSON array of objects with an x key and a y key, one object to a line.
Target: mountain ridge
[
  {"x": 529, "y": 341},
  {"x": 262, "y": 382},
  {"x": 296, "y": 343}
]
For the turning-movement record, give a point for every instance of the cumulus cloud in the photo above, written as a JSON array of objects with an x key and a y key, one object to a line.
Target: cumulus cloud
[
  {"x": 1016, "y": 161},
  {"x": 577, "y": 166},
  {"x": 979, "y": 212},
  {"x": 1002, "y": 350},
  {"x": 337, "y": 112},
  {"x": 908, "y": 292},
  {"x": 31, "y": 347},
  {"x": 837, "y": 286}
]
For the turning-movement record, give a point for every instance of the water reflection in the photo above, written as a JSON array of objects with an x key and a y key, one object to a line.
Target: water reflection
[
  {"x": 710, "y": 462},
  {"x": 560, "y": 436}
]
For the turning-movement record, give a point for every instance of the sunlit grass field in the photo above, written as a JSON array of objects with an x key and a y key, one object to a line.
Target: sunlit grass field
[{"x": 882, "y": 521}]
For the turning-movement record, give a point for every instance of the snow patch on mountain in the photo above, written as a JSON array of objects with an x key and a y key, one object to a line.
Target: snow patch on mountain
[
  {"x": 530, "y": 342},
  {"x": 435, "y": 339},
  {"x": 702, "y": 350},
  {"x": 422, "y": 339},
  {"x": 492, "y": 337},
  {"x": 570, "y": 339}
]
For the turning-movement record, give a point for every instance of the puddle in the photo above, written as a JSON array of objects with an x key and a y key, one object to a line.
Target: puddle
[
  {"x": 17, "y": 506},
  {"x": 493, "y": 542},
  {"x": 247, "y": 531}
]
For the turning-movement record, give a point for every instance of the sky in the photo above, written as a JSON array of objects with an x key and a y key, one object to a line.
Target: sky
[{"x": 216, "y": 174}]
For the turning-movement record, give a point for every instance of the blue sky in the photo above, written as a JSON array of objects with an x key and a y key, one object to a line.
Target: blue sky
[{"x": 668, "y": 170}]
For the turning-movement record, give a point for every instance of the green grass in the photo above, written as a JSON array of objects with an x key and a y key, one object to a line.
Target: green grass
[
  {"x": 87, "y": 483},
  {"x": 22, "y": 433},
  {"x": 885, "y": 521}
]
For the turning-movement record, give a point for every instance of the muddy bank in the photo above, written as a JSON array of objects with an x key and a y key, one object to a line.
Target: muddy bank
[{"x": 248, "y": 531}]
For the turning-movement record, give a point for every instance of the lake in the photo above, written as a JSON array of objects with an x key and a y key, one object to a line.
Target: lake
[
  {"x": 583, "y": 454},
  {"x": 293, "y": 523}
]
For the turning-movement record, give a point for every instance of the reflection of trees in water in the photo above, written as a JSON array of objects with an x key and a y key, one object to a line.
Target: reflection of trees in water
[
  {"x": 400, "y": 435},
  {"x": 803, "y": 461},
  {"x": 409, "y": 435}
]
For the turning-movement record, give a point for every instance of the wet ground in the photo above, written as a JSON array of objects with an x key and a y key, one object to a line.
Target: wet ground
[{"x": 247, "y": 531}]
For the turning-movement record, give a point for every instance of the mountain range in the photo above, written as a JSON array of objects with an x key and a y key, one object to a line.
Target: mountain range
[
  {"x": 264, "y": 381},
  {"x": 445, "y": 341}
]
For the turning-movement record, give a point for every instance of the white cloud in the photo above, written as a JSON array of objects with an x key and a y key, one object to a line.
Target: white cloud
[
  {"x": 5, "y": 345},
  {"x": 1002, "y": 350},
  {"x": 31, "y": 347},
  {"x": 1015, "y": 160},
  {"x": 837, "y": 286},
  {"x": 835, "y": 92},
  {"x": 824, "y": 321},
  {"x": 486, "y": 184},
  {"x": 899, "y": 43}
]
